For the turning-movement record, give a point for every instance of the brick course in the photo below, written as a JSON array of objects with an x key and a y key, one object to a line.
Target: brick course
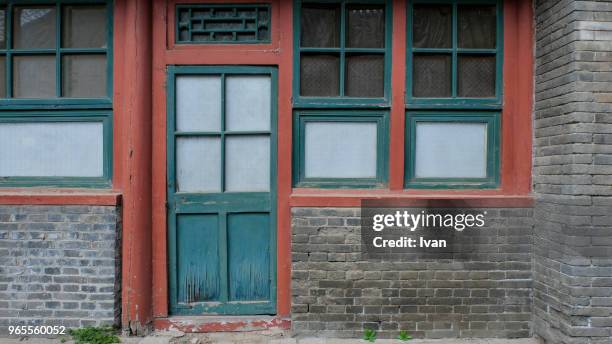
[
  {"x": 59, "y": 265},
  {"x": 483, "y": 290}
]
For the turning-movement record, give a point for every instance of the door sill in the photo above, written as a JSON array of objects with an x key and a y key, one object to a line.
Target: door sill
[{"x": 221, "y": 323}]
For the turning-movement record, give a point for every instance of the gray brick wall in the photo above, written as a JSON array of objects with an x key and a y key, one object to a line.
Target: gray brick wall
[
  {"x": 59, "y": 265},
  {"x": 484, "y": 290},
  {"x": 573, "y": 172}
]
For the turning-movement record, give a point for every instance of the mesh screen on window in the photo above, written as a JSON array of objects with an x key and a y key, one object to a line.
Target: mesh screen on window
[{"x": 335, "y": 66}]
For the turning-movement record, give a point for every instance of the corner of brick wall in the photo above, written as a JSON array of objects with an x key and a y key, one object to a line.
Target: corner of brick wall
[
  {"x": 573, "y": 172},
  {"x": 59, "y": 265}
]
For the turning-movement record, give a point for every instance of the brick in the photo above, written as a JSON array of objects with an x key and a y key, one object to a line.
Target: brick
[{"x": 54, "y": 287}]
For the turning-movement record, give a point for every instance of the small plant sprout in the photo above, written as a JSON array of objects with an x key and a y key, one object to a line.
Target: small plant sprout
[
  {"x": 403, "y": 335},
  {"x": 369, "y": 335},
  {"x": 94, "y": 335}
]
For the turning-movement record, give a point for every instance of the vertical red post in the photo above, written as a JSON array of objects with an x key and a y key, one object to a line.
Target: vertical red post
[
  {"x": 285, "y": 115},
  {"x": 398, "y": 97},
  {"x": 132, "y": 172}
]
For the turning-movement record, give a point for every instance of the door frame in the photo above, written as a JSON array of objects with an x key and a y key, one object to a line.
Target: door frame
[{"x": 214, "y": 307}]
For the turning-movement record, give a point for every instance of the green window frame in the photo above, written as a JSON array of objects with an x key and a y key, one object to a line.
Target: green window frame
[
  {"x": 454, "y": 101},
  {"x": 8, "y": 52},
  {"x": 192, "y": 19},
  {"x": 99, "y": 116},
  {"x": 490, "y": 118},
  {"x": 58, "y": 108},
  {"x": 380, "y": 118},
  {"x": 342, "y": 51}
]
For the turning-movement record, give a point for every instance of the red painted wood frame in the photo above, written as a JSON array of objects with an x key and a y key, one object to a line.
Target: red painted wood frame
[{"x": 516, "y": 118}]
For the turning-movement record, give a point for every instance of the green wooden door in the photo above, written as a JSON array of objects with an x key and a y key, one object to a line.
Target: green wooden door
[{"x": 222, "y": 190}]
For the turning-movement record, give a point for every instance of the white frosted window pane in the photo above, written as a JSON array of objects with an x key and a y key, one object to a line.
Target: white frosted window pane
[
  {"x": 451, "y": 150},
  {"x": 247, "y": 163},
  {"x": 198, "y": 103},
  {"x": 67, "y": 149},
  {"x": 198, "y": 164},
  {"x": 340, "y": 150},
  {"x": 248, "y": 102}
]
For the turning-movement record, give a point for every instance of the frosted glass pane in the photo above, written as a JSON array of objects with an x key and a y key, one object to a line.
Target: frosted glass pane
[
  {"x": 68, "y": 149},
  {"x": 247, "y": 163},
  {"x": 198, "y": 103},
  {"x": 198, "y": 164},
  {"x": 451, "y": 150},
  {"x": 340, "y": 150},
  {"x": 248, "y": 100}
]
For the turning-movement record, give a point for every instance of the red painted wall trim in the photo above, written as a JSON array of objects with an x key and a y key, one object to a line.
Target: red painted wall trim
[
  {"x": 402, "y": 199},
  {"x": 160, "y": 272},
  {"x": 132, "y": 104},
  {"x": 398, "y": 97},
  {"x": 58, "y": 197},
  {"x": 518, "y": 97},
  {"x": 285, "y": 120}
]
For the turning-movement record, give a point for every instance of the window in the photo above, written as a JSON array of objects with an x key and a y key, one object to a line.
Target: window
[
  {"x": 454, "y": 54},
  {"x": 452, "y": 151},
  {"x": 55, "y": 61},
  {"x": 340, "y": 149},
  {"x": 454, "y": 64},
  {"x": 223, "y": 131},
  {"x": 342, "y": 52},
  {"x": 453, "y": 93},
  {"x": 223, "y": 23},
  {"x": 343, "y": 68}
]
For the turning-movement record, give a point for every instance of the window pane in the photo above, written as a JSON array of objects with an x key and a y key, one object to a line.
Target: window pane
[
  {"x": 198, "y": 103},
  {"x": 33, "y": 27},
  {"x": 476, "y": 76},
  {"x": 51, "y": 149},
  {"x": 2, "y": 28},
  {"x": 451, "y": 150},
  {"x": 34, "y": 76},
  {"x": 84, "y": 76},
  {"x": 198, "y": 164},
  {"x": 340, "y": 150},
  {"x": 247, "y": 163},
  {"x": 84, "y": 27},
  {"x": 248, "y": 101},
  {"x": 365, "y": 26},
  {"x": 431, "y": 75},
  {"x": 2, "y": 77},
  {"x": 477, "y": 26},
  {"x": 320, "y": 26},
  {"x": 319, "y": 75},
  {"x": 432, "y": 26},
  {"x": 365, "y": 75}
]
